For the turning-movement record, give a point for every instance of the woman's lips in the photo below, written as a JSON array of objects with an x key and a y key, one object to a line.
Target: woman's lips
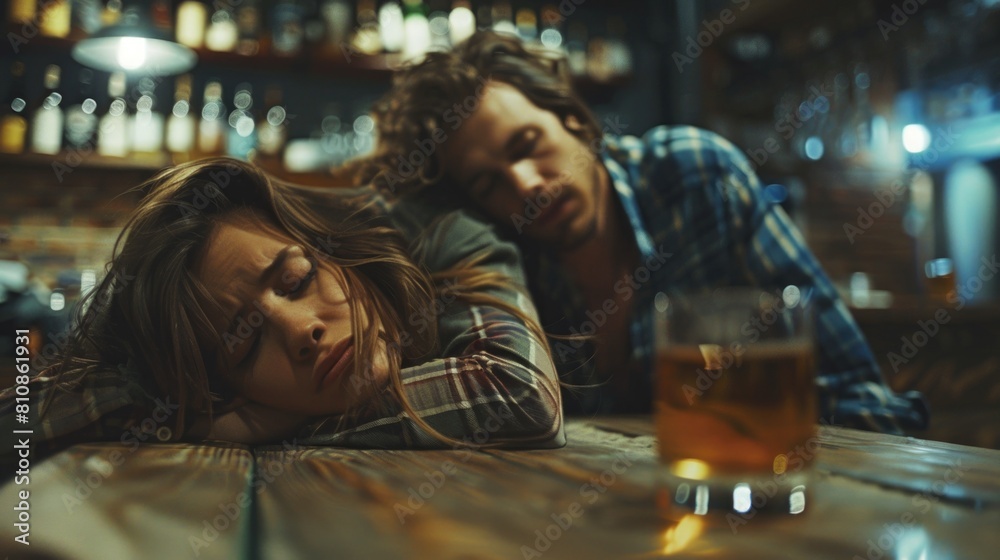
[{"x": 335, "y": 363}]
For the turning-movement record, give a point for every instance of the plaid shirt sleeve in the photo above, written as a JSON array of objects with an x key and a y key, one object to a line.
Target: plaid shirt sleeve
[
  {"x": 106, "y": 405},
  {"x": 494, "y": 383},
  {"x": 768, "y": 251}
]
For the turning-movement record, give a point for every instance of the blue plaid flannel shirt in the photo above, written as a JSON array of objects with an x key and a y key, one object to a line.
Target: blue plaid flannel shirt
[{"x": 695, "y": 204}]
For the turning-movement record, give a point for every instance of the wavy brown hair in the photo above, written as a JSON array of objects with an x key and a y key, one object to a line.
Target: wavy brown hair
[
  {"x": 429, "y": 99},
  {"x": 152, "y": 312}
]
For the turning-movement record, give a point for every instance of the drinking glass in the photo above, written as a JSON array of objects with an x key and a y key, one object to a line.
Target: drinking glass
[{"x": 735, "y": 401}]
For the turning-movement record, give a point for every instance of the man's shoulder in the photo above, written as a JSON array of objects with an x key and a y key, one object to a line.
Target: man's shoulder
[{"x": 681, "y": 146}]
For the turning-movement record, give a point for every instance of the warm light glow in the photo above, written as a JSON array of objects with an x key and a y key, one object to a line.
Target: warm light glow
[
  {"x": 692, "y": 469},
  {"x": 131, "y": 52},
  {"x": 680, "y": 536},
  {"x": 916, "y": 138}
]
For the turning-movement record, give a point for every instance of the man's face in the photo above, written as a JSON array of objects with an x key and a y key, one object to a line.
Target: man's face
[{"x": 525, "y": 170}]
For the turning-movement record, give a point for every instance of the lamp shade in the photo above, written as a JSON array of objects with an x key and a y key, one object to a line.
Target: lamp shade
[{"x": 134, "y": 45}]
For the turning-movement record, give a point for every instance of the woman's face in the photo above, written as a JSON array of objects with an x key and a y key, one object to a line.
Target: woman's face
[{"x": 286, "y": 320}]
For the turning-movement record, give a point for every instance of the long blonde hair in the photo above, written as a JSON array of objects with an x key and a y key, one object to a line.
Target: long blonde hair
[{"x": 152, "y": 312}]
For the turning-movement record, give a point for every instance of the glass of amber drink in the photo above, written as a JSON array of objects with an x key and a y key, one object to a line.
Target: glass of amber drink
[{"x": 735, "y": 402}]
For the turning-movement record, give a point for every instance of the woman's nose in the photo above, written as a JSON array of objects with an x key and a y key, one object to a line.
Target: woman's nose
[{"x": 302, "y": 333}]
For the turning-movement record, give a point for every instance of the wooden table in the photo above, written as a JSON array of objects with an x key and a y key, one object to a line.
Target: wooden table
[{"x": 874, "y": 496}]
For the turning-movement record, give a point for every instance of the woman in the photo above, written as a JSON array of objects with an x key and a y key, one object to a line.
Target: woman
[{"x": 239, "y": 308}]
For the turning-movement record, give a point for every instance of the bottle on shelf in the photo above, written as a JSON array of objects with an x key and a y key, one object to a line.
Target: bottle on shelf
[
  {"x": 180, "y": 135},
  {"x": 527, "y": 24},
  {"x": 54, "y": 18},
  {"x": 437, "y": 22},
  {"x": 192, "y": 19},
  {"x": 111, "y": 13},
  {"x": 337, "y": 14},
  {"x": 47, "y": 120},
  {"x": 222, "y": 34},
  {"x": 461, "y": 21},
  {"x": 367, "y": 37},
  {"x": 272, "y": 128},
  {"x": 551, "y": 35},
  {"x": 86, "y": 18},
  {"x": 147, "y": 121},
  {"x": 503, "y": 17},
  {"x": 313, "y": 26},
  {"x": 13, "y": 124},
  {"x": 391, "y": 29},
  {"x": 20, "y": 12},
  {"x": 287, "y": 27},
  {"x": 81, "y": 114},
  {"x": 113, "y": 135},
  {"x": 241, "y": 134},
  {"x": 248, "y": 28},
  {"x": 211, "y": 139},
  {"x": 416, "y": 30},
  {"x": 576, "y": 48}
]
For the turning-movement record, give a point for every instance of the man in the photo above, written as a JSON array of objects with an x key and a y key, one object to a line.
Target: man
[{"x": 607, "y": 222}]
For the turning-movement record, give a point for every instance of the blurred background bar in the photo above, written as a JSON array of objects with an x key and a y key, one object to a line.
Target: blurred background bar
[{"x": 874, "y": 123}]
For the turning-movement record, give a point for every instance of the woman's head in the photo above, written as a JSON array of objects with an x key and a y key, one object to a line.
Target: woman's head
[{"x": 226, "y": 283}]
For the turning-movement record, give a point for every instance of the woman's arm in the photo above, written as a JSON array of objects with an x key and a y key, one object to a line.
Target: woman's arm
[{"x": 494, "y": 382}]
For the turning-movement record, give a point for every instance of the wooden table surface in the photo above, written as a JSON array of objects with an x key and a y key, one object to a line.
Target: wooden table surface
[{"x": 874, "y": 496}]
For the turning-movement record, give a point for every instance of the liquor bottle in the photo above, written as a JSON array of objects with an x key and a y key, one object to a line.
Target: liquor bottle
[
  {"x": 86, "y": 18},
  {"x": 437, "y": 22},
  {"x": 248, "y": 28},
  {"x": 313, "y": 26},
  {"x": 272, "y": 128},
  {"x": 337, "y": 14},
  {"x": 113, "y": 134},
  {"x": 20, "y": 12},
  {"x": 286, "y": 27},
  {"x": 242, "y": 136},
  {"x": 619, "y": 53},
  {"x": 527, "y": 24},
  {"x": 54, "y": 18},
  {"x": 551, "y": 36},
  {"x": 416, "y": 30},
  {"x": 181, "y": 123},
  {"x": 391, "y": 30},
  {"x": 192, "y": 18},
  {"x": 576, "y": 48},
  {"x": 13, "y": 124},
  {"x": 461, "y": 21},
  {"x": 503, "y": 18},
  {"x": 111, "y": 13},
  {"x": 47, "y": 121},
  {"x": 222, "y": 34},
  {"x": 211, "y": 139},
  {"x": 147, "y": 122},
  {"x": 367, "y": 36},
  {"x": 81, "y": 114}
]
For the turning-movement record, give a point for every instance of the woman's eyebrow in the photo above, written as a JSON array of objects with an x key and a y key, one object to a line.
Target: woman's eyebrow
[{"x": 265, "y": 277}]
